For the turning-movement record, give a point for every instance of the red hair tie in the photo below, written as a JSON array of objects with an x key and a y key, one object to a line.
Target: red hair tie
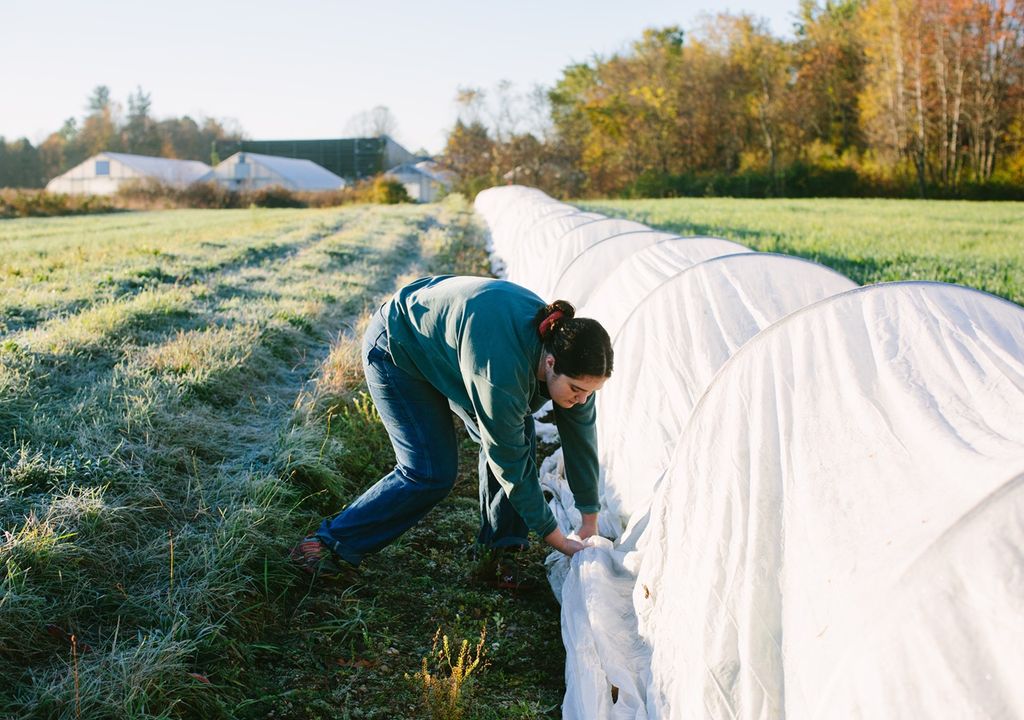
[{"x": 549, "y": 321}]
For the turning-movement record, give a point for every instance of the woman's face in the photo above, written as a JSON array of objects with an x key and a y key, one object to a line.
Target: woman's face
[{"x": 566, "y": 391}]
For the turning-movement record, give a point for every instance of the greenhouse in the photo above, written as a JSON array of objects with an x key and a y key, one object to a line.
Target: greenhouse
[
  {"x": 252, "y": 171},
  {"x": 104, "y": 173}
]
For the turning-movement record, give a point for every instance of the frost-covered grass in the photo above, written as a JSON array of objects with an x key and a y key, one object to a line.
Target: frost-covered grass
[
  {"x": 149, "y": 364},
  {"x": 56, "y": 267},
  {"x": 181, "y": 400},
  {"x": 979, "y": 244}
]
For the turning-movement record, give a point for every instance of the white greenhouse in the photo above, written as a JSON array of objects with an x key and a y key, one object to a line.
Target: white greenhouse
[
  {"x": 104, "y": 173},
  {"x": 425, "y": 181},
  {"x": 812, "y": 492},
  {"x": 252, "y": 171}
]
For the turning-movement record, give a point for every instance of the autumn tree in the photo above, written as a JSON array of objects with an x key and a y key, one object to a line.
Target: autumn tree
[
  {"x": 99, "y": 130},
  {"x": 829, "y": 76},
  {"x": 506, "y": 136},
  {"x": 58, "y": 151},
  {"x": 943, "y": 80},
  {"x": 994, "y": 80},
  {"x": 760, "y": 66},
  {"x": 139, "y": 134},
  {"x": 713, "y": 131},
  {"x": 102, "y": 130},
  {"x": 469, "y": 152},
  {"x": 622, "y": 116}
]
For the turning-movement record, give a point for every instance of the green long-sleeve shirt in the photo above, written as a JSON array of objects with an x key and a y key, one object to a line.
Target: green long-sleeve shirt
[{"x": 474, "y": 340}]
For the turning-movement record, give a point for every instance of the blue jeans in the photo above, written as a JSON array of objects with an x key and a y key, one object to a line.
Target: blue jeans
[{"x": 419, "y": 422}]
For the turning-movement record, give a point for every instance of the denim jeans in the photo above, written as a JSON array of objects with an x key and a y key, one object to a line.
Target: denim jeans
[{"x": 419, "y": 422}]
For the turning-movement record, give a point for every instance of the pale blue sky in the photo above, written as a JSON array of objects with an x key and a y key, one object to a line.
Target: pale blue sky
[{"x": 302, "y": 70}]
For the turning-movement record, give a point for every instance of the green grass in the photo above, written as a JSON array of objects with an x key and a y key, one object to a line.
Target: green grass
[{"x": 978, "y": 244}]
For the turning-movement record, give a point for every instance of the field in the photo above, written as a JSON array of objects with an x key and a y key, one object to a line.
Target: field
[
  {"x": 181, "y": 400},
  {"x": 976, "y": 244}
]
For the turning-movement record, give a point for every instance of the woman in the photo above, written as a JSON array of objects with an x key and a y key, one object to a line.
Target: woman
[{"x": 493, "y": 352}]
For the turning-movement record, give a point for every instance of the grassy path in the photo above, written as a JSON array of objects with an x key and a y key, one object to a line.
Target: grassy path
[
  {"x": 351, "y": 650},
  {"x": 163, "y": 384}
]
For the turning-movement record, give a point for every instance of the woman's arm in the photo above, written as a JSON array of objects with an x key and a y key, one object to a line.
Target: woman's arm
[
  {"x": 589, "y": 527},
  {"x": 500, "y": 419},
  {"x": 577, "y": 428}
]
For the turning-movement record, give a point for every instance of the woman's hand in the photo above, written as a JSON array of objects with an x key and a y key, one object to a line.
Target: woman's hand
[
  {"x": 557, "y": 539},
  {"x": 589, "y": 527}
]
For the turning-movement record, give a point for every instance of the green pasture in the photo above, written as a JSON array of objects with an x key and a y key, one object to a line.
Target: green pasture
[{"x": 979, "y": 244}]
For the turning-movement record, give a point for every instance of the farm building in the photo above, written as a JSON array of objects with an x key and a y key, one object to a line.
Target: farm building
[
  {"x": 425, "y": 181},
  {"x": 251, "y": 171},
  {"x": 351, "y": 158},
  {"x": 103, "y": 173}
]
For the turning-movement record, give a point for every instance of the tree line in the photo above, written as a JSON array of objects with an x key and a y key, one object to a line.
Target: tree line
[
  {"x": 869, "y": 97},
  {"x": 107, "y": 128}
]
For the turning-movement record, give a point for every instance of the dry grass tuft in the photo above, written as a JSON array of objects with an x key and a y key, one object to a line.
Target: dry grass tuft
[{"x": 342, "y": 371}]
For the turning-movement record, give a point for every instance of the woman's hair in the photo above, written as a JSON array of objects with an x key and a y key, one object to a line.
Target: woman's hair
[{"x": 580, "y": 346}]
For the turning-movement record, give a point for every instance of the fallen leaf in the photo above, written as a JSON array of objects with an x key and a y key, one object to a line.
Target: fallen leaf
[{"x": 201, "y": 678}]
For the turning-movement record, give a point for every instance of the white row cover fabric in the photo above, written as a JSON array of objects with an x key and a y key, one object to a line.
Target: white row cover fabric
[
  {"x": 841, "y": 531},
  {"x": 822, "y": 488},
  {"x": 577, "y": 281},
  {"x": 553, "y": 258},
  {"x": 670, "y": 347},
  {"x": 543, "y": 233},
  {"x": 666, "y": 354},
  {"x": 621, "y": 287}
]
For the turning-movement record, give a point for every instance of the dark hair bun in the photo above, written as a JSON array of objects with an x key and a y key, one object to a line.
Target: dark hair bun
[
  {"x": 549, "y": 317},
  {"x": 580, "y": 346}
]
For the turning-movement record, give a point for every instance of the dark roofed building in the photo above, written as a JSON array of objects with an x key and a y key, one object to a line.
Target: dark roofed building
[{"x": 351, "y": 158}]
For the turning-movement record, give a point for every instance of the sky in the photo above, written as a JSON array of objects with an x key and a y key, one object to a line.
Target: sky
[{"x": 304, "y": 69}]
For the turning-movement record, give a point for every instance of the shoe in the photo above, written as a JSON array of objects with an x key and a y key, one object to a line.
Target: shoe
[{"x": 312, "y": 557}]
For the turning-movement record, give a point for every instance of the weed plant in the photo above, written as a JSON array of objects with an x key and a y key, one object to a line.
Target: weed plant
[
  {"x": 154, "y": 195},
  {"x": 446, "y": 678}
]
